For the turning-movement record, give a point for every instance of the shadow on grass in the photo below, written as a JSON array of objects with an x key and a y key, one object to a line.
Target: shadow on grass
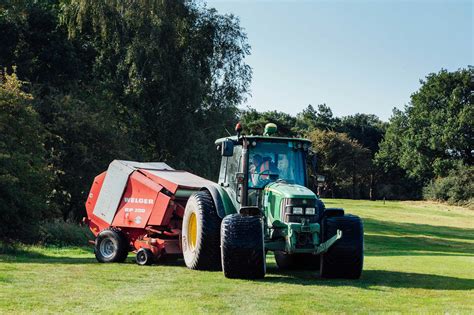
[
  {"x": 398, "y": 228},
  {"x": 385, "y": 238},
  {"x": 377, "y": 245},
  {"x": 371, "y": 279},
  {"x": 20, "y": 255}
]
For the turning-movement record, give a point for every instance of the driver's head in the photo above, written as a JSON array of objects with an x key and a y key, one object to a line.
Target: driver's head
[
  {"x": 283, "y": 162},
  {"x": 257, "y": 159}
]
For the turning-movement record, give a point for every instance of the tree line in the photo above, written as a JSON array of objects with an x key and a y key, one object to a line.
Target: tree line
[
  {"x": 84, "y": 82},
  {"x": 425, "y": 150}
]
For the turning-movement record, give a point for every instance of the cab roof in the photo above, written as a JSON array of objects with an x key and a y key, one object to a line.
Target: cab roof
[{"x": 265, "y": 138}]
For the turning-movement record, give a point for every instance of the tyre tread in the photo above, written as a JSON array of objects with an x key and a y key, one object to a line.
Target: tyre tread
[
  {"x": 208, "y": 255},
  {"x": 243, "y": 252},
  {"x": 123, "y": 245},
  {"x": 345, "y": 258}
]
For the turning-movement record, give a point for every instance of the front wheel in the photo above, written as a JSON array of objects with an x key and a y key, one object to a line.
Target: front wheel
[
  {"x": 345, "y": 258},
  {"x": 242, "y": 246}
]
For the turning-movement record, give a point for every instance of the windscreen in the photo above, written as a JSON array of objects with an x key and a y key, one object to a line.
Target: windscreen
[{"x": 270, "y": 161}]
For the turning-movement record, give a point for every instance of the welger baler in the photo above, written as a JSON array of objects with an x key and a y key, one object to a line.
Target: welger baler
[{"x": 139, "y": 206}]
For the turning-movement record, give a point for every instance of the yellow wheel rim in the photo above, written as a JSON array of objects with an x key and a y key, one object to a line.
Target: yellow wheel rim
[{"x": 192, "y": 231}]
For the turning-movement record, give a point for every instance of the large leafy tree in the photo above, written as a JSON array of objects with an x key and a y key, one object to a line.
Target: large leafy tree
[
  {"x": 25, "y": 176},
  {"x": 342, "y": 160},
  {"x": 172, "y": 71},
  {"x": 84, "y": 139},
  {"x": 82, "y": 133},
  {"x": 436, "y": 129},
  {"x": 395, "y": 182},
  {"x": 148, "y": 80},
  {"x": 32, "y": 41},
  {"x": 175, "y": 68},
  {"x": 368, "y": 130},
  {"x": 316, "y": 118}
]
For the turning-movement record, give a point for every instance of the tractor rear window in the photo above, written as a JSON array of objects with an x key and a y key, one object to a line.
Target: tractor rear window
[{"x": 270, "y": 161}]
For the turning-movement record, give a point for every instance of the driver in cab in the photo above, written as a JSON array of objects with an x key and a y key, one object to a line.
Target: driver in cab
[{"x": 259, "y": 170}]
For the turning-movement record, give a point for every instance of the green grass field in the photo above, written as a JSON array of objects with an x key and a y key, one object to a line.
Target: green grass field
[{"x": 419, "y": 258}]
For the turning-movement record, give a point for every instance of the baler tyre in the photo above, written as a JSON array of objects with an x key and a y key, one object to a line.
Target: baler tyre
[
  {"x": 286, "y": 261},
  {"x": 345, "y": 258},
  {"x": 111, "y": 245},
  {"x": 144, "y": 257},
  {"x": 243, "y": 250},
  {"x": 200, "y": 238}
]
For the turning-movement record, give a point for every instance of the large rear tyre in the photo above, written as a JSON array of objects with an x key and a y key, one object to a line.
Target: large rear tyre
[
  {"x": 345, "y": 258},
  {"x": 286, "y": 261},
  {"x": 200, "y": 239},
  {"x": 242, "y": 246},
  {"x": 111, "y": 245}
]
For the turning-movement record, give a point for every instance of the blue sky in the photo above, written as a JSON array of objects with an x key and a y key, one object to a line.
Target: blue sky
[{"x": 355, "y": 56}]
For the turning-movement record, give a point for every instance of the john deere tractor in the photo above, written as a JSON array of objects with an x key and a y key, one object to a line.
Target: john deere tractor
[{"x": 262, "y": 203}]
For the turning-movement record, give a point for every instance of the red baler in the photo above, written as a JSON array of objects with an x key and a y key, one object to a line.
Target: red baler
[{"x": 142, "y": 206}]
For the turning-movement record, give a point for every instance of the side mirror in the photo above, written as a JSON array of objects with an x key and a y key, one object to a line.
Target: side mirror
[{"x": 227, "y": 148}]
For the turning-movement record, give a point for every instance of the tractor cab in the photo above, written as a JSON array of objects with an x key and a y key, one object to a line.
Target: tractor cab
[{"x": 251, "y": 164}]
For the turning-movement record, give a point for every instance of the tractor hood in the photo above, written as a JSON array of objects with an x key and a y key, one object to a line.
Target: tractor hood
[{"x": 287, "y": 190}]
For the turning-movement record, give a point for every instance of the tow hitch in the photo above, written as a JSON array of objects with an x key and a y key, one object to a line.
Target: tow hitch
[{"x": 323, "y": 247}]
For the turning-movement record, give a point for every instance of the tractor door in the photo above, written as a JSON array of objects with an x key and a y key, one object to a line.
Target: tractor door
[{"x": 230, "y": 166}]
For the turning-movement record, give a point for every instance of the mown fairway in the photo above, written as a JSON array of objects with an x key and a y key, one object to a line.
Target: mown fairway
[{"x": 419, "y": 258}]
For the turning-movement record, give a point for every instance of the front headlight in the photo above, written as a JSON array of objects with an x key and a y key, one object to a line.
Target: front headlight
[
  {"x": 310, "y": 211},
  {"x": 297, "y": 210}
]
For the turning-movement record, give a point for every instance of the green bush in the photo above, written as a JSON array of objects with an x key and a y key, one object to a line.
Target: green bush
[
  {"x": 61, "y": 233},
  {"x": 57, "y": 233},
  {"x": 25, "y": 176},
  {"x": 456, "y": 188}
]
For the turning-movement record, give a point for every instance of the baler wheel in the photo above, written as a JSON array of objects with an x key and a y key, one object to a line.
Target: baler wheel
[
  {"x": 200, "y": 238},
  {"x": 145, "y": 257},
  {"x": 286, "y": 261},
  {"x": 345, "y": 258},
  {"x": 111, "y": 245},
  {"x": 243, "y": 250}
]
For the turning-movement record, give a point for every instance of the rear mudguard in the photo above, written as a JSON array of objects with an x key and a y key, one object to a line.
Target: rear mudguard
[{"x": 224, "y": 205}]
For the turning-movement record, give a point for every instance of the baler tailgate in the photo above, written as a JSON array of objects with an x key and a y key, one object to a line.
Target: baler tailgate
[{"x": 114, "y": 186}]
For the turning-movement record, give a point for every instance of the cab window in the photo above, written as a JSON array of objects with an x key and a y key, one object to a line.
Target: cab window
[{"x": 270, "y": 161}]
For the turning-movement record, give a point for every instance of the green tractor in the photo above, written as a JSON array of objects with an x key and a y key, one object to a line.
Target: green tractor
[{"x": 261, "y": 203}]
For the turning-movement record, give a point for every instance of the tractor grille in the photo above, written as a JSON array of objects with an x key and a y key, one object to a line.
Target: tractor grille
[{"x": 297, "y": 218}]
